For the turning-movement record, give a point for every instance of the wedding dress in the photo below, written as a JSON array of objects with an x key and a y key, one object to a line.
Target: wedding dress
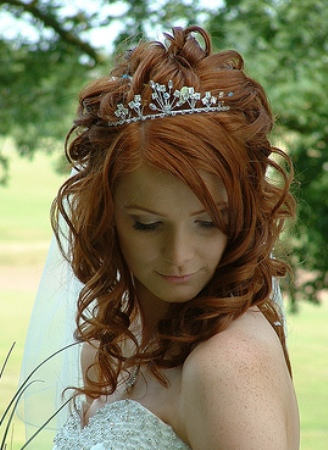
[{"x": 121, "y": 425}]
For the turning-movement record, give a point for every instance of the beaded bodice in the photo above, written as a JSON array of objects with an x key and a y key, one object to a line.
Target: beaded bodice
[{"x": 121, "y": 425}]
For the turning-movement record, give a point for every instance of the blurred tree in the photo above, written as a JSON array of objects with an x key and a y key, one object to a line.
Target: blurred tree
[
  {"x": 283, "y": 41},
  {"x": 39, "y": 78}
]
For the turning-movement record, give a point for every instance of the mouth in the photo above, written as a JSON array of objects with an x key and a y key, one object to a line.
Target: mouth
[{"x": 177, "y": 278}]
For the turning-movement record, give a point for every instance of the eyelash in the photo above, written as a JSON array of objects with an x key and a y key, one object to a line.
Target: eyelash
[{"x": 152, "y": 226}]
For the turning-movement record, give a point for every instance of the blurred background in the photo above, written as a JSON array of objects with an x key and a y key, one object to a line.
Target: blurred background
[{"x": 50, "y": 49}]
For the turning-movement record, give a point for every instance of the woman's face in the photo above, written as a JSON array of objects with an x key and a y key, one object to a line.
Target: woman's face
[{"x": 169, "y": 242}]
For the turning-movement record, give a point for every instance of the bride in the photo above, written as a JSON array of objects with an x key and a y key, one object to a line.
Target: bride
[{"x": 171, "y": 218}]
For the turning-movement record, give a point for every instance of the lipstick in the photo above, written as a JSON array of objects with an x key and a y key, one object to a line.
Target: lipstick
[{"x": 177, "y": 279}]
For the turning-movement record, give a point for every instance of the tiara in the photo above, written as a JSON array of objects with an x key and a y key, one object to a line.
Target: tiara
[{"x": 165, "y": 101}]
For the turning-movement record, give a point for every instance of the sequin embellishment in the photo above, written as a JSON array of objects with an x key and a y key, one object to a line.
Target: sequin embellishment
[{"x": 121, "y": 425}]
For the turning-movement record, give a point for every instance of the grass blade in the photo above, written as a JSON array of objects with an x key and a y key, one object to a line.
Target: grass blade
[
  {"x": 3, "y": 442},
  {"x": 22, "y": 387},
  {"x": 6, "y": 360},
  {"x": 45, "y": 424}
]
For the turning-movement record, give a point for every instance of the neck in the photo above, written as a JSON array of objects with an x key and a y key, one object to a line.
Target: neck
[{"x": 152, "y": 311}]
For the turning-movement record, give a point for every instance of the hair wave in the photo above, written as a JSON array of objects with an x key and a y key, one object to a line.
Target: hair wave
[{"x": 233, "y": 145}]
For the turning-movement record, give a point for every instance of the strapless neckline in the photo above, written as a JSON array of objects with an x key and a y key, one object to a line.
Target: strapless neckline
[
  {"x": 108, "y": 406},
  {"x": 122, "y": 424}
]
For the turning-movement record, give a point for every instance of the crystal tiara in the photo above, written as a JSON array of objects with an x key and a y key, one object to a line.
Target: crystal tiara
[{"x": 165, "y": 102}]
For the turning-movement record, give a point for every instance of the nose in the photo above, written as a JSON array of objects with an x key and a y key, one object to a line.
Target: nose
[{"x": 178, "y": 249}]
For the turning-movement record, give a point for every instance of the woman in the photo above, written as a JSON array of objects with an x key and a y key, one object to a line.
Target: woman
[{"x": 173, "y": 215}]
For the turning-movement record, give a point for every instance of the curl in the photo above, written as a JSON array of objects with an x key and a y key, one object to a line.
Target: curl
[{"x": 232, "y": 145}]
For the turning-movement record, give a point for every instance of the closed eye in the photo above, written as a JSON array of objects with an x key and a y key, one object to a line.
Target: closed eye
[
  {"x": 152, "y": 226},
  {"x": 145, "y": 226},
  {"x": 206, "y": 224}
]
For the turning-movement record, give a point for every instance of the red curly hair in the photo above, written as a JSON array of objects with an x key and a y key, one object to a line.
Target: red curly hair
[{"x": 233, "y": 145}]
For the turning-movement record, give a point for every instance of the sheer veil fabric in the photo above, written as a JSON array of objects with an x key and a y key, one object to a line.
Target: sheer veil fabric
[{"x": 51, "y": 329}]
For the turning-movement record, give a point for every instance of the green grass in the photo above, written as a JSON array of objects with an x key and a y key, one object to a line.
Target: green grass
[
  {"x": 25, "y": 202},
  {"x": 24, "y": 238},
  {"x": 13, "y": 323},
  {"x": 308, "y": 345}
]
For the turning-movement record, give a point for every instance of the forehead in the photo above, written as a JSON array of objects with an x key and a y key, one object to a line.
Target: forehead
[{"x": 151, "y": 186}]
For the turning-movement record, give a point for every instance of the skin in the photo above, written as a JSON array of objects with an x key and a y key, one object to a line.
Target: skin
[
  {"x": 234, "y": 390},
  {"x": 170, "y": 240}
]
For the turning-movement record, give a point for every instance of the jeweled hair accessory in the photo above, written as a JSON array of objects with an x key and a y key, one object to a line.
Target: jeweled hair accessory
[{"x": 165, "y": 103}]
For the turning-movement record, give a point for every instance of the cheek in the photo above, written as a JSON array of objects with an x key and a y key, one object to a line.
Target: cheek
[
  {"x": 136, "y": 248},
  {"x": 215, "y": 249},
  {"x": 129, "y": 247},
  {"x": 124, "y": 240}
]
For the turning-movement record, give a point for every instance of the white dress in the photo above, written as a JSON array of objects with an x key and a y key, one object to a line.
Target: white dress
[{"x": 121, "y": 425}]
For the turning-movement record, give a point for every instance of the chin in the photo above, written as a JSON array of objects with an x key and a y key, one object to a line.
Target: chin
[
  {"x": 177, "y": 300},
  {"x": 177, "y": 297}
]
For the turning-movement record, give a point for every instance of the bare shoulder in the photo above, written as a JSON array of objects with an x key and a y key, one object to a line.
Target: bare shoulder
[
  {"x": 236, "y": 391},
  {"x": 250, "y": 336},
  {"x": 88, "y": 355},
  {"x": 248, "y": 342}
]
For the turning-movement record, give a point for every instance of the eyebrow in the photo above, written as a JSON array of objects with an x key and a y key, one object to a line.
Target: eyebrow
[{"x": 141, "y": 208}]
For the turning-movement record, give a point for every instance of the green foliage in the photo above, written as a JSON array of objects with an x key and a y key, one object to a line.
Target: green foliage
[
  {"x": 37, "y": 89},
  {"x": 39, "y": 80},
  {"x": 142, "y": 15}
]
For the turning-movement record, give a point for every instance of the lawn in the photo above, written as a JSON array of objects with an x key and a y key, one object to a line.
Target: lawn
[{"x": 24, "y": 238}]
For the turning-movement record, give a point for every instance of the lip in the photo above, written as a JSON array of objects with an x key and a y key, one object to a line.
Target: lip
[{"x": 177, "y": 279}]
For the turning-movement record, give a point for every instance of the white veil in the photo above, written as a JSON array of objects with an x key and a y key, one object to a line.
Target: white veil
[{"x": 51, "y": 329}]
